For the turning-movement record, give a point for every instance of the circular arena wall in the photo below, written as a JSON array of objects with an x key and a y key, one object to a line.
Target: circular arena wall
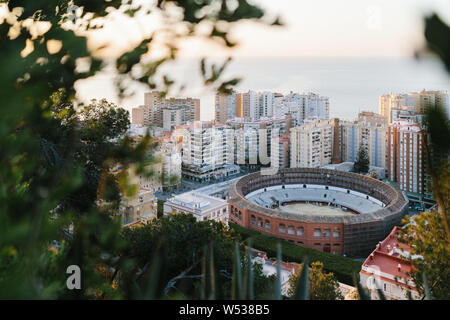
[{"x": 353, "y": 235}]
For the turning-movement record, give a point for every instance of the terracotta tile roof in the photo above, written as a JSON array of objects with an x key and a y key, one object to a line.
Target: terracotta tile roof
[{"x": 389, "y": 257}]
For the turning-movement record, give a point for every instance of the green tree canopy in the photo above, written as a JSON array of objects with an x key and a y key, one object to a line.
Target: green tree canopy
[
  {"x": 178, "y": 242},
  {"x": 322, "y": 285},
  {"x": 55, "y": 177},
  {"x": 362, "y": 160},
  {"x": 425, "y": 235}
]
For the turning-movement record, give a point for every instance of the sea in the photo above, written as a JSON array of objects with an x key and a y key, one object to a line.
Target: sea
[{"x": 353, "y": 84}]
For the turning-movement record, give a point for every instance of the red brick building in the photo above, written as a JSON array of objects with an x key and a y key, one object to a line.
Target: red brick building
[{"x": 352, "y": 234}]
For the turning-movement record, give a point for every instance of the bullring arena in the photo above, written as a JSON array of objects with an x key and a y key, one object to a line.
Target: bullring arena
[{"x": 328, "y": 210}]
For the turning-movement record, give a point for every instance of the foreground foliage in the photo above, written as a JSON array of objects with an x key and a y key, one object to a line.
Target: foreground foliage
[
  {"x": 426, "y": 237},
  {"x": 362, "y": 160},
  {"x": 322, "y": 285},
  {"x": 179, "y": 244},
  {"x": 343, "y": 268},
  {"x": 55, "y": 179}
]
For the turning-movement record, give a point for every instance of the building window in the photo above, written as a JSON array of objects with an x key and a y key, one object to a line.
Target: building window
[
  {"x": 260, "y": 223},
  {"x": 317, "y": 233},
  {"x": 267, "y": 225},
  {"x": 336, "y": 233},
  {"x": 300, "y": 231},
  {"x": 291, "y": 230},
  {"x": 253, "y": 220},
  {"x": 240, "y": 215},
  {"x": 327, "y": 233},
  {"x": 282, "y": 228}
]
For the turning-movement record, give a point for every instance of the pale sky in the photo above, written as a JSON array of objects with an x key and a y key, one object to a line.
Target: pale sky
[
  {"x": 338, "y": 28},
  {"x": 312, "y": 28}
]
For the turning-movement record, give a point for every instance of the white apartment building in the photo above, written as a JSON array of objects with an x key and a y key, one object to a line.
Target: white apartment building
[
  {"x": 405, "y": 156},
  {"x": 140, "y": 208},
  {"x": 170, "y": 153},
  {"x": 279, "y": 107},
  {"x": 372, "y": 118},
  {"x": 253, "y": 105},
  {"x": 179, "y": 111},
  {"x": 411, "y": 103},
  {"x": 171, "y": 117},
  {"x": 207, "y": 150},
  {"x": 253, "y": 138},
  {"x": 153, "y": 182},
  {"x": 315, "y": 144},
  {"x": 280, "y": 148},
  {"x": 371, "y": 136},
  {"x": 257, "y": 105},
  {"x": 167, "y": 164},
  {"x": 303, "y": 106},
  {"x": 266, "y": 105},
  {"x": 410, "y": 158},
  {"x": 137, "y": 116},
  {"x": 226, "y": 107},
  {"x": 389, "y": 102},
  {"x": 190, "y": 107},
  {"x": 153, "y": 103},
  {"x": 152, "y": 112},
  {"x": 202, "y": 206}
]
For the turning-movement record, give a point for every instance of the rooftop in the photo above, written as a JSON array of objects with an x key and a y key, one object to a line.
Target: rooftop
[
  {"x": 343, "y": 166},
  {"x": 261, "y": 120},
  {"x": 411, "y": 127},
  {"x": 197, "y": 201},
  {"x": 390, "y": 256}
]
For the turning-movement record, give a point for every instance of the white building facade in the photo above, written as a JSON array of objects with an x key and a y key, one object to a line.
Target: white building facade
[
  {"x": 313, "y": 144},
  {"x": 207, "y": 150},
  {"x": 303, "y": 106},
  {"x": 202, "y": 206},
  {"x": 371, "y": 136}
]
